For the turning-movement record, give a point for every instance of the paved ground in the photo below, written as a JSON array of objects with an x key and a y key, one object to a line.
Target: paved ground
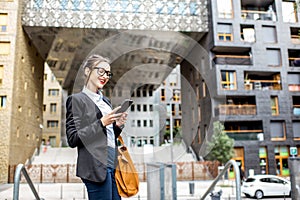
[{"x": 76, "y": 191}]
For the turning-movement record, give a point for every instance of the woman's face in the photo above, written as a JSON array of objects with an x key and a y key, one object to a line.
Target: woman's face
[{"x": 96, "y": 80}]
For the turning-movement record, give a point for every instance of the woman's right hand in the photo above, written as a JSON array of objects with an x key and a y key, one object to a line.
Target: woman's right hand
[{"x": 111, "y": 117}]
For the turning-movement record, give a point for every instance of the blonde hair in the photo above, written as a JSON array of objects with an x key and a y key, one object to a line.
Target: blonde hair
[{"x": 94, "y": 60}]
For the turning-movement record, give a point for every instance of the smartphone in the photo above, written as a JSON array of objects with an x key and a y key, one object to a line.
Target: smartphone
[{"x": 125, "y": 105}]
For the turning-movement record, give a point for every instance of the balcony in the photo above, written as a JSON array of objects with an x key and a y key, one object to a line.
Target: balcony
[
  {"x": 244, "y": 130},
  {"x": 296, "y": 105},
  {"x": 258, "y": 10},
  {"x": 259, "y": 15},
  {"x": 294, "y": 82},
  {"x": 262, "y": 81},
  {"x": 245, "y": 109},
  {"x": 232, "y": 60},
  {"x": 245, "y": 134},
  {"x": 294, "y": 57},
  {"x": 295, "y": 35}
]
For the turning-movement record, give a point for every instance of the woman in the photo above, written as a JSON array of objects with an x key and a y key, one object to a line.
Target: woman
[{"x": 93, "y": 127}]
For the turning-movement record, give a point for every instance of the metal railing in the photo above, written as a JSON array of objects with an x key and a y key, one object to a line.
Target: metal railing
[
  {"x": 237, "y": 179},
  {"x": 20, "y": 168}
]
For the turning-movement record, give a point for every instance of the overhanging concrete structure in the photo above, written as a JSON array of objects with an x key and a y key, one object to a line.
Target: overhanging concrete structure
[{"x": 130, "y": 32}]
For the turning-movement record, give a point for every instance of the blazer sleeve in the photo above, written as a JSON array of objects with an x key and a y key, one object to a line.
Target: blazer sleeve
[{"x": 79, "y": 129}]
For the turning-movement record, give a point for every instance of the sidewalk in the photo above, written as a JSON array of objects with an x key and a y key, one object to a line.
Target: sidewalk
[{"x": 76, "y": 191}]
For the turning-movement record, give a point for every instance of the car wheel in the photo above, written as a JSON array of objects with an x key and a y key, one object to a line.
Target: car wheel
[{"x": 259, "y": 194}]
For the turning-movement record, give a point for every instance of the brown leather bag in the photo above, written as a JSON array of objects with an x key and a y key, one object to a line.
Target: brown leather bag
[{"x": 127, "y": 178}]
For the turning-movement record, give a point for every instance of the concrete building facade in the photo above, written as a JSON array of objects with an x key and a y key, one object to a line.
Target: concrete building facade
[
  {"x": 52, "y": 112},
  {"x": 253, "y": 49}
]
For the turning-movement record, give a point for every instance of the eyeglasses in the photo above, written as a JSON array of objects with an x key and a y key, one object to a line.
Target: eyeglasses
[{"x": 101, "y": 71}]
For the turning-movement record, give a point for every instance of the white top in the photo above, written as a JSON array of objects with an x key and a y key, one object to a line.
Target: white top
[{"x": 105, "y": 109}]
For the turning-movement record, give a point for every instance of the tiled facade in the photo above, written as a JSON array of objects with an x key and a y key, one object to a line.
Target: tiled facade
[{"x": 253, "y": 49}]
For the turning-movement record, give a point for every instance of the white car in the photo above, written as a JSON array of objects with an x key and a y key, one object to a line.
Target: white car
[{"x": 259, "y": 186}]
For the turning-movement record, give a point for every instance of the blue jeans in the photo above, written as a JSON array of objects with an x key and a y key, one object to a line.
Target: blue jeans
[{"x": 106, "y": 190}]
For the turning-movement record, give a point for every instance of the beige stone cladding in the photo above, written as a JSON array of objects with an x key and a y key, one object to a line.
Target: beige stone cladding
[{"x": 22, "y": 85}]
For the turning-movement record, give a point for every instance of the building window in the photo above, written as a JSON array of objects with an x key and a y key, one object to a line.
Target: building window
[
  {"x": 296, "y": 129},
  {"x": 145, "y": 123},
  {"x": 228, "y": 80},
  {"x": 277, "y": 130},
  {"x": 53, "y": 107},
  {"x": 274, "y": 105},
  {"x": 53, "y": 92},
  {"x": 225, "y": 32},
  {"x": 151, "y": 123},
  {"x": 1, "y": 74},
  {"x": 4, "y": 48},
  {"x": 224, "y": 9},
  {"x": 247, "y": 33},
  {"x": 52, "y": 123},
  {"x": 273, "y": 57},
  {"x": 3, "y": 22},
  {"x": 289, "y": 12},
  {"x": 2, "y": 101}
]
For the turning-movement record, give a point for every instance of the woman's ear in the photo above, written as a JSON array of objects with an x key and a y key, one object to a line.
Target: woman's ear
[{"x": 87, "y": 71}]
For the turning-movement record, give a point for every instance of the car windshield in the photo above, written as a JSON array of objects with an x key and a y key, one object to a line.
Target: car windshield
[{"x": 250, "y": 180}]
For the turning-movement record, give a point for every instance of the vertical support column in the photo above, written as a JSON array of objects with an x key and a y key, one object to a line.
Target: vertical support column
[{"x": 294, "y": 163}]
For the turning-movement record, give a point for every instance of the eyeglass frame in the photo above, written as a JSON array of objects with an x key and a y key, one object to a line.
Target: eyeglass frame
[{"x": 108, "y": 73}]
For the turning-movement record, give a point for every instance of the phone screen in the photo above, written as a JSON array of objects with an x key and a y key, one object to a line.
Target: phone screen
[{"x": 125, "y": 105}]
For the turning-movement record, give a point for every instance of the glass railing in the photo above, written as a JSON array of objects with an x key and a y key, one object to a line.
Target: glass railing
[
  {"x": 246, "y": 135},
  {"x": 259, "y": 15},
  {"x": 245, "y": 109},
  {"x": 232, "y": 60}
]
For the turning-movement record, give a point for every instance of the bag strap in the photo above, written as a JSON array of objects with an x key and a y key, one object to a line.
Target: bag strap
[{"x": 121, "y": 140}]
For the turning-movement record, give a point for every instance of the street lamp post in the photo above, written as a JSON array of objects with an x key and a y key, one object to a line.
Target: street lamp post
[{"x": 171, "y": 129}]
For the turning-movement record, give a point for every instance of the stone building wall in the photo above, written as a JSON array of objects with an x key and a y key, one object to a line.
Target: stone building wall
[{"x": 22, "y": 85}]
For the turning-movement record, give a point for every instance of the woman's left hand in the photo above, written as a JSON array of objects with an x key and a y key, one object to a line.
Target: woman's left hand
[{"x": 122, "y": 120}]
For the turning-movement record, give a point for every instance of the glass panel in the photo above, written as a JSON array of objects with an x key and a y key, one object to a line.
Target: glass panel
[
  {"x": 296, "y": 129},
  {"x": 288, "y": 12},
  {"x": 224, "y": 8}
]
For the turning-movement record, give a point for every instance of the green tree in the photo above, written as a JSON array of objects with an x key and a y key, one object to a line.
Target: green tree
[{"x": 221, "y": 147}]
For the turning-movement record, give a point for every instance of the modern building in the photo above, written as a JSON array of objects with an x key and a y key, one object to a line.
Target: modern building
[
  {"x": 21, "y": 91},
  {"x": 253, "y": 48},
  {"x": 52, "y": 115}
]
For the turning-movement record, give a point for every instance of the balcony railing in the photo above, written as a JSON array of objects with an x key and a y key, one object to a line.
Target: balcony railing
[
  {"x": 296, "y": 109},
  {"x": 262, "y": 85},
  {"x": 294, "y": 87},
  {"x": 294, "y": 61},
  {"x": 258, "y": 15},
  {"x": 245, "y": 134},
  {"x": 233, "y": 59},
  {"x": 295, "y": 39},
  {"x": 245, "y": 109}
]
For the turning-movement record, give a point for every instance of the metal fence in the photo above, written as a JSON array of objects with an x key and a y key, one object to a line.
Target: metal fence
[
  {"x": 66, "y": 173},
  {"x": 161, "y": 181}
]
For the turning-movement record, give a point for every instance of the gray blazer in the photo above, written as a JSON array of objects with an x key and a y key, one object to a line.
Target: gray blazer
[{"x": 86, "y": 132}]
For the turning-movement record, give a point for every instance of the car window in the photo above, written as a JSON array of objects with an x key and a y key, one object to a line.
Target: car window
[
  {"x": 249, "y": 180},
  {"x": 265, "y": 180},
  {"x": 275, "y": 180}
]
